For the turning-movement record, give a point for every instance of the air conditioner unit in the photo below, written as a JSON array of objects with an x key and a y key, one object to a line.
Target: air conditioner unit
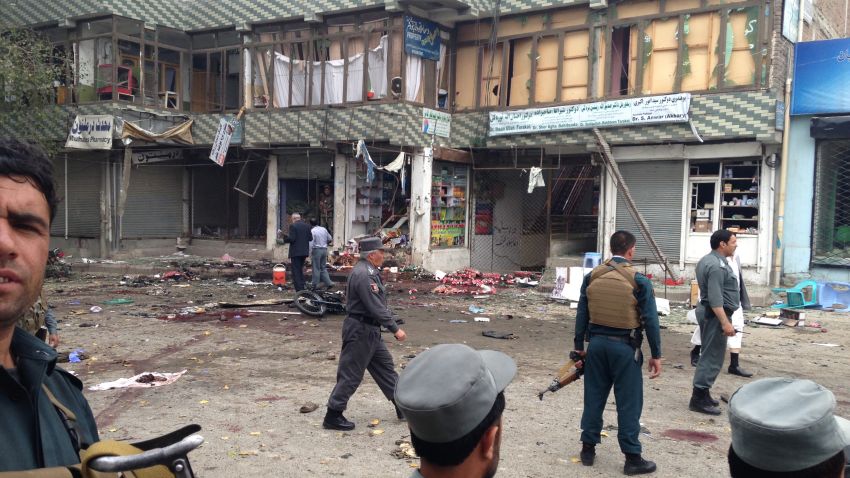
[{"x": 598, "y": 4}]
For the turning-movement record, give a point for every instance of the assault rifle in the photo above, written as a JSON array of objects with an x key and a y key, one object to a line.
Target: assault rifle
[{"x": 569, "y": 373}]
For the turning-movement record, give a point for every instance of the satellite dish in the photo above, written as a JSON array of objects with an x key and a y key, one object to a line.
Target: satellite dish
[{"x": 395, "y": 86}]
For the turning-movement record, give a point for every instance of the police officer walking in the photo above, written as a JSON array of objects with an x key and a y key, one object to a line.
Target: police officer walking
[
  {"x": 616, "y": 303},
  {"x": 719, "y": 298},
  {"x": 362, "y": 346}
]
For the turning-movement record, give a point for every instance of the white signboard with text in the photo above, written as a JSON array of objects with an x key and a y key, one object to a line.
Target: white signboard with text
[
  {"x": 436, "y": 122},
  {"x": 91, "y": 132},
  {"x": 626, "y": 112},
  {"x": 221, "y": 142}
]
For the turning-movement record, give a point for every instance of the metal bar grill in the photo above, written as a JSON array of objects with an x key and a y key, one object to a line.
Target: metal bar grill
[{"x": 831, "y": 224}]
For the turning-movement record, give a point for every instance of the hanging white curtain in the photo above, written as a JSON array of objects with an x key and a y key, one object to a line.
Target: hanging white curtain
[
  {"x": 378, "y": 69},
  {"x": 334, "y": 72},
  {"x": 440, "y": 66},
  {"x": 282, "y": 66},
  {"x": 412, "y": 77}
]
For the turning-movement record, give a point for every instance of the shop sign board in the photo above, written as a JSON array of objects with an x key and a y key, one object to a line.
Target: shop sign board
[
  {"x": 821, "y": 76},
  {"x": 157, "y": 156},
  {"x": 436, "y": 122},
  {"x": 421, "y": 38},
  {"x": 90, "y": 132},
  {"x": 602, "y": 114}
]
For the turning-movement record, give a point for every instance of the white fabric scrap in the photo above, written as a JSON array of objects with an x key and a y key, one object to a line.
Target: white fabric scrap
[
  {"x": 535, "y": 179},
  {"x": 132, "y": 381}
]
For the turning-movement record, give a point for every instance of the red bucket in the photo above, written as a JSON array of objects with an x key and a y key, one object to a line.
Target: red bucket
[{"x": 279, "y": 274}]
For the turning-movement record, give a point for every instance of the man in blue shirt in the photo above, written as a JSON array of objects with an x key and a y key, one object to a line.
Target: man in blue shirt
[
  {"x": 319, "y": 254},
  {"x": 615, "y": 306}
]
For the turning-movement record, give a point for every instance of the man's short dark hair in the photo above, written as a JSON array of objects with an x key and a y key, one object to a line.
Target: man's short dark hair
[
  {"x": 830, "y": 468},
  {"x": 453, "y": 453},
  {"x": 30, "y": 163},
  {"x": 721, "y": 235},
  {"x": 314, "y": 222},
  {"x": 621, "y": 242}
]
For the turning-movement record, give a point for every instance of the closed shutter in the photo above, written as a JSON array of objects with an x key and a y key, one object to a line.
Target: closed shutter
[
  {"x": 154, "y": 203},
  {"x": 656, "y": 187},
  {"x": 82, "y": 197}
]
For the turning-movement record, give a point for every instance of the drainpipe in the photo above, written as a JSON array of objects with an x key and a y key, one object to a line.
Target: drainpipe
[{"x": 778, "y": 256}]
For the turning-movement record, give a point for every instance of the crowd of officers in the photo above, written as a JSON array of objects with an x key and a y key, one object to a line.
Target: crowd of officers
[{"x": 451, "y": 395}]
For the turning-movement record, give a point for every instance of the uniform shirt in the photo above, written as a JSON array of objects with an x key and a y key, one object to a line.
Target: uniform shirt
[
  {"x": 645, "y": 296},
  {"x": 718, "y": 286},
  {"x": 365, "y": 295},
  {"x": 33, "y": 434},
  {"x": 321, "y": 237}
]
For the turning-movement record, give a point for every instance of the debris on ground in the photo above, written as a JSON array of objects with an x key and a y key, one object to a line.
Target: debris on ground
[
  {"x": 499, "y": 335},
  {"x": 153, "y": 379},
  {"x": 404, "y": 451},
  {"x": 308, "y": 407}
]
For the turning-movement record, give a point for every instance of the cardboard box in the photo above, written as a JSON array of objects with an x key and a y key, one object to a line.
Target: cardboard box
[
  {"x": 702, "y": 225},
  {"x": 727, "y": 188},
  {"x": 703, "y": 213}
]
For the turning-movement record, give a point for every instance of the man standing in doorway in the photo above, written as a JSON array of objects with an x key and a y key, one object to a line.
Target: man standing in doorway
[
  {"x": 719, "y": 298},
  {"x": 616, "y": 305},
  {"x": 362, "y": 346},
  {"x": 299, "y": 238},
  {"x": 319, "y": 254}
]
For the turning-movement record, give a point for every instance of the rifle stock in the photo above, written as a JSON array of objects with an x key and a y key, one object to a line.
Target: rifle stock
[{"x": 569, "y": 373}]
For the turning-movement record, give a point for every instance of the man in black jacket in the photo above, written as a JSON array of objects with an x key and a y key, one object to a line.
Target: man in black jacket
[
  {"x": 34, "y": 433},
  {"x": 299, "y": 238}
]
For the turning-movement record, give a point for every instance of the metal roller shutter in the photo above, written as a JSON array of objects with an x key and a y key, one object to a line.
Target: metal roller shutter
[
  {"x": 656, "y": 187},
  {"x": 82, "y": 197},
  {"x": 154, "y": 203}
]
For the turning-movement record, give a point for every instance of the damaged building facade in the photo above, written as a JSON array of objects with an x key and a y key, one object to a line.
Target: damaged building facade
[{"x": 423, "y": 118}]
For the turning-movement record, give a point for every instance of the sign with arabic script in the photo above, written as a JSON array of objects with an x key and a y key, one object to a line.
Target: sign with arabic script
[
  {"x": 821, "y": 76},
  {"x": 91, "y": 132},
  {"x": 421, "y": 38},
  {"x": 603, "y": 114}
]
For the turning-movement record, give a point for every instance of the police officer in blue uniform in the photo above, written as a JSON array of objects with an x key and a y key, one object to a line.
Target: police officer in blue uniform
[
  {"x": 362, "y": 346},
  {"x": 616, "y": 304}
]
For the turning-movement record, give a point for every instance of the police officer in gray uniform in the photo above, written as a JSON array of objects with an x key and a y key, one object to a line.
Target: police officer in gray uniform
[
  {"x": 720, "y": 297},
  {"x": 362, "y": 346}
]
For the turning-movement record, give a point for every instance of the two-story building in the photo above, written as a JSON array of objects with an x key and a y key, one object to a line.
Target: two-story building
[{"x": 456, "y": 98}]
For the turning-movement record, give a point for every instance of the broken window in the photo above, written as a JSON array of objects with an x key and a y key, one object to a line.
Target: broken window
[
  {"x": 741, "y": 47},
  {"x": 491, "y": 76},
  {"x": 519, "y": 71},
  {"x": 700, "y": 54},
  {"x": 623, "y": 60},
  {"x": 660, "y": 50},
  {"x": 546, "y": 74},
  {"x": 576, "y": 63}
]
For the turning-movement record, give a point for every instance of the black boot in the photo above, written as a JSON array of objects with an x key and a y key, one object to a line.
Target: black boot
[
  {"x": 710, "y": 399},
  {"x": 335, "y": 421},
  {"x": 695, "y": 355},
  {"x": 636, "y": 465},
  {"x": 588, "y": 454},
  {"x": 736, "y": 369},
  {"x": 700, "y": 402}
]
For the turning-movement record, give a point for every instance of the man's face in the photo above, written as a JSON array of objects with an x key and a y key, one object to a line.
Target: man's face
[
  {"x": 376, "y": 257},
  {"x": 728, "y": 248},
  {"x": 24, "y": 240}
]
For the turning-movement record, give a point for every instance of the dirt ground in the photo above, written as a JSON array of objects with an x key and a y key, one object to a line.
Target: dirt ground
[{"x": 248, "y": 375}]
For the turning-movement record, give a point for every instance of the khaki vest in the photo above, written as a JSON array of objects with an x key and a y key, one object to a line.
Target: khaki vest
[
  {"x": 33, "y": 318},
  {"x": 611, "y": 298}
]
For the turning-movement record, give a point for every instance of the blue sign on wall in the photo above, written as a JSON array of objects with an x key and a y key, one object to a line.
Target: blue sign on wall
[
  {"x": 821, "y": 77},
  {"x": 421, "y": 38}
]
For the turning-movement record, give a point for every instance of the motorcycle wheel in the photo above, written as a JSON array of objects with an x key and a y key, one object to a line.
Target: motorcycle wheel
[{"x": 310, "y": 303}]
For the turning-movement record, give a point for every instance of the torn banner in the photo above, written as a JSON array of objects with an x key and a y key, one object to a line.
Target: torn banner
[
  {"x": 396, "y": 166},
  {"x": 535, "y": 179},
  {"x": 180, "y": 134}
]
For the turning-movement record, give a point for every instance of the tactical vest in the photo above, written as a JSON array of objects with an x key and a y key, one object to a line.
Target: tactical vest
[
  {"x": 611, "y": 296},
  {"x": 33, "y": 318}
]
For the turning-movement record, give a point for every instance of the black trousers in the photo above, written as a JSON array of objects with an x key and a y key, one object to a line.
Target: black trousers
[
  {"x": 362, "y": 349},
  {"x": 298, "y": 272}
]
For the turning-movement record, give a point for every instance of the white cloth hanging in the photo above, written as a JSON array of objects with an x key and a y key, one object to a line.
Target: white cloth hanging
[
  {"x": 535, "y": 179},
  {"x": 413, "y": 77}
]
